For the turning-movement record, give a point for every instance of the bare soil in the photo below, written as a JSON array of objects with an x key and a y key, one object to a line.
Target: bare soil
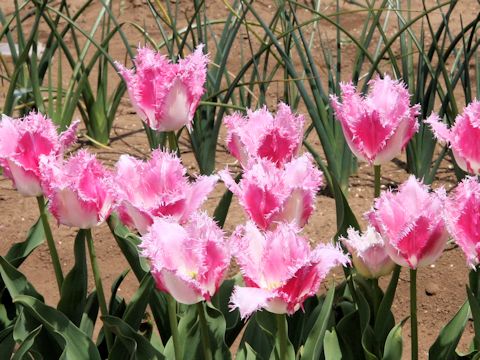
[{"x": 444, "y": 281}]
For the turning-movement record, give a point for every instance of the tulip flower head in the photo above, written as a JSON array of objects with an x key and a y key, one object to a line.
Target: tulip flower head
[
  {"x": 279, "y": 268},
  {"x": 368, "y": 253},
  {"x": 164, "y": 94},
  {"x": 463, "y": 218},
  {"x": 261, "y": 135},
  {"x": 378, "y": 126},
  {"x": 23, "y": 142},
  {"x": 270, "y": 194},
  {"x": 157, "y": 187},
  {"x": 79, "y": 190},
  {"x": 188, "y": 261},
  {"x": 463, "y": 136},
  {"x": 411, "y": 223}
]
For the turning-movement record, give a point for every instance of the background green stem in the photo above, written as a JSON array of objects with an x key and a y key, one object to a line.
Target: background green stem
[
  {"x": 378, "y": 178},
  {"x": 204, "y": 332},
  {"x": 282, "y": 334},
  {"x": 98, "y": 284},
  {"x": 57, "y": 267},
  {"x": 172, "y": 319},
  {"x": 413, "y": 313}
]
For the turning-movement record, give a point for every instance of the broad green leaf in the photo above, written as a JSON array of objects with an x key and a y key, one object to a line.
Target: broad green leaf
[
  {"x": 74, "y": 289},
  {"x": 16, "y": 283},
  {"x": 75, "y": 344},
  {"x": 385, "y": 317},
  {"x": 7, "y": 343},
  {"x": 350, "y": 335},
  {"x": 221, "y": 301},
  {"x": 43, "y": 343},
  {"x": 128, "y": 244},
  {"x": 331, "y": 346},
  {"x": 259, "y": 336},
  {"x": 20, "y": 251},
  {"x": 393, "y": 344},
  {"x": 90, "y": 313},
  {"x": 447, "y": 341},
  {"x": 475, "y": 310},
  {"x": 135, "y": 346},
  {"x": 314, "y": 344},
  {"x": 26, "y": 344},
  {"x": 134, "y": 312}
]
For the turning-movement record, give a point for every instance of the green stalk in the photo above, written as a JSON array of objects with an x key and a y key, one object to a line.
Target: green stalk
[
  {"x": 51, "y": 243},
  {"x": 413, "y": 313},
  {"x": 172, "y": 319},
  {"x": 282, "y": 334},
  {"x": 207, "y": 352},
  {"x": 375, "y": 293},
  {"x": 98, "y": 285},
  {"x": 172, "y": 141},
  {"x": 378, "y": 179}
]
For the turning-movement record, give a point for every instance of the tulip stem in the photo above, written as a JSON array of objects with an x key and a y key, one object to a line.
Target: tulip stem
[
  {"x": 375, "y": 293},
  {"x": 172, "y": 319},
  {"x": 413, "y": 313},
  {"x": 378, "y": 179},
  {"x": 172, "y": 141},
  {"x": 283, "y": 336},
  {"x": 98, "y": 284},
  {"x": 204, "y": 332},
  {"x": 57, "y": 267}
]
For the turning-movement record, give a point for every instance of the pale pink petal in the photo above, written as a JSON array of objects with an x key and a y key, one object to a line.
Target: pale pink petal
[
  {"x": 463, "y": 218},
  {"x": 79, "y": 189},
  {"x": 166, "y": 95},
  {"x": 158, "y": 187},
  {"x": 22, "y": 143},
  {"x": 188, "y": 261},
  {"x": 439, "y": 129},
  {"x": 368, "y": 251},
  {"x": 261, "y": 135},
  {"x": 248, "y": 300},
  {"x": 379, "y": 125},
  {"x": 183, "y": 291},
  {"x": 411, "y": 223}
]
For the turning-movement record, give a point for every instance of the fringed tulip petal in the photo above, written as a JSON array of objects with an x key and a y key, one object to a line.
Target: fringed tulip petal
[
  {"x": 270, "y": 194},
  {"x": 157, "y": 187},
  {"x": 411, "y": 223},
  {"x": 79, "y": 190},
  {"x": 463, "y": 218},
  {"x": 378, "y": 126},
  {"x": 463, "y": 136},
  {"x": 188, "y": 261},
  {"x": 279, "y": 269},
  {"x": 22, "y": 143},
  {"x": 166, "y": 95},
  {"x": 368, "y": 251},
  {"x": 261, "y": 135}
]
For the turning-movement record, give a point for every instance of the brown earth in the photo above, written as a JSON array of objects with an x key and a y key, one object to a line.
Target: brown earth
[{"x": 445, "y": 280}]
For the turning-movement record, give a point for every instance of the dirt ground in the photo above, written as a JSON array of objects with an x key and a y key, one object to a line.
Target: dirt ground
[{"x": 444, "y": 281}]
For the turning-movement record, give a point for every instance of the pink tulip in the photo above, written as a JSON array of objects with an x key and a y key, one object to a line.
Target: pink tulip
[
  {"x": 411, "y": 223},
  {"x": 377, "y": 127},
  {"x": 165, "y": 95},
  {"x": 368, "y": 253},
  {"x": 463, "y": 136},
  {"x": 79, "y": 189},
  {"x": 157, "y": 187},
  {"x": 261, "y": 135},
  {"x": 279, "y": 268},
  {"x": 270, "y": 194},
  {"x": 23, "y": 141},
  {"x": 463, "y": 218},
  {"x": 189, "y": 261}
]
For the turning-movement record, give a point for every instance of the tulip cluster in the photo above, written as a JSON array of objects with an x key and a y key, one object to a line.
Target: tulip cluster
[{"x": 277, "y": 191}]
